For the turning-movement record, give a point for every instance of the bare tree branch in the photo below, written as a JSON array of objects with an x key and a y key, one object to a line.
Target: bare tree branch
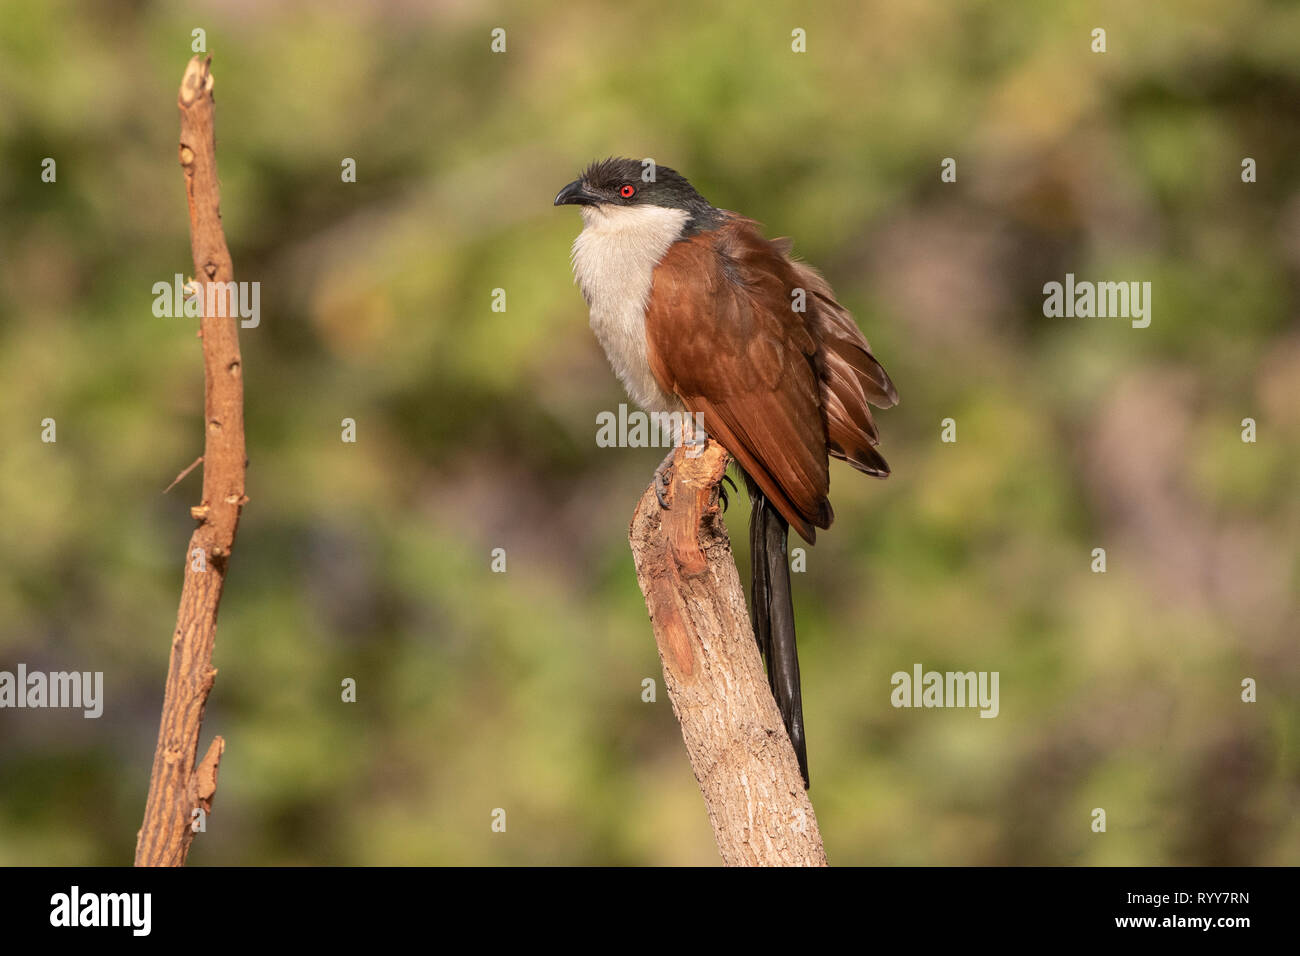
[
  {"x": 176, "y": 787},
  {"x": 181, "y": 477},
  {"x": 738, "y": 746}
]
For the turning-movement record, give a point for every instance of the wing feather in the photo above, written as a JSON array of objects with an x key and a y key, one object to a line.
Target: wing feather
[{"x": 780, "y": 389}]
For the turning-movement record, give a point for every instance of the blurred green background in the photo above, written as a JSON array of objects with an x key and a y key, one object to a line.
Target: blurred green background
[{"x": 476, "y": 429}]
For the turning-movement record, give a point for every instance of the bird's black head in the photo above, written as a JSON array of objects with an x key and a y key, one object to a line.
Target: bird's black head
[{"x": 618, "y": 182}]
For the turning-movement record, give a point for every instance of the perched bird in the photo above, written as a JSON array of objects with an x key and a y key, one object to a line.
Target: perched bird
[{"x": 698, "y": 312}]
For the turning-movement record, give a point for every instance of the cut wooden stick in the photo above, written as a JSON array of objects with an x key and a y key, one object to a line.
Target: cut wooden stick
[
  {"x": 177, "y": 787},
  {"x": 737, "y": 743}
]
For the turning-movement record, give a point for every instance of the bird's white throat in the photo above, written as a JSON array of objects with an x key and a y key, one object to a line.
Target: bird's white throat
[{"x": 614, "y": 258}]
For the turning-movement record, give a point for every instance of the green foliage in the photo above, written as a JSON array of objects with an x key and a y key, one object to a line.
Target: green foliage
[{"x": 476, "y": 428}]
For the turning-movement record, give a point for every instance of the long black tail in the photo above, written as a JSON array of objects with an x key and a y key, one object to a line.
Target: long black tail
[{"x": 772, "y": 612}]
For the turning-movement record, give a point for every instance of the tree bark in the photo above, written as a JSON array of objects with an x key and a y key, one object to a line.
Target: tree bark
[
  {"x": 737, "y": 743},
  {"x": 177, "y": 787}
]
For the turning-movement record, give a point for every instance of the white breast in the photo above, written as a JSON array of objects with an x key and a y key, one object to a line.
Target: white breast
[{"x": 613, "y": 260}]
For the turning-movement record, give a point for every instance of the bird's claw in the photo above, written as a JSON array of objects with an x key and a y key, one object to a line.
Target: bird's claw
[
  {"x": 663, "y": 478},
  {"x": 722, "y": 491}
]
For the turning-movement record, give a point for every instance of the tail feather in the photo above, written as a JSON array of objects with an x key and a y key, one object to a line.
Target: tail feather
[{"x": 772, "y": 613}]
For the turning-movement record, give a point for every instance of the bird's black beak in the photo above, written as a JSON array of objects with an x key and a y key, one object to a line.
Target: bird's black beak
[{"x": 575, "y": 194}]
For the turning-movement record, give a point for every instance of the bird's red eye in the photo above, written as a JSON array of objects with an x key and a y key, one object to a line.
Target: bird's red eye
[{"x": 627, "y": 190}]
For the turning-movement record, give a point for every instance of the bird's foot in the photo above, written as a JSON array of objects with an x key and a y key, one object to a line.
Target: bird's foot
[
  {"x": 663, "y": 478},
  {"x": 722, "y": 491}
]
